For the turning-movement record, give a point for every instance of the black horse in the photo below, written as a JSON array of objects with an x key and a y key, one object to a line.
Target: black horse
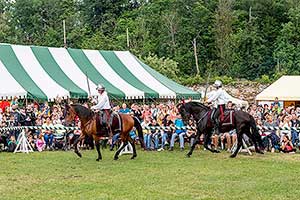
[{"x": 243, "y": 122}]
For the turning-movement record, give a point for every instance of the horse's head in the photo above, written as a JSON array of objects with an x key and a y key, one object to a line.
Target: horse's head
[
  {"x": 192, "y": 109},
  {"x": 185, "y": 114},
  {"x": 69, "y": 114}
]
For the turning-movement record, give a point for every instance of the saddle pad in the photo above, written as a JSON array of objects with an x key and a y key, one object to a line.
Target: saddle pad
[{"x": 228, "y": 118}]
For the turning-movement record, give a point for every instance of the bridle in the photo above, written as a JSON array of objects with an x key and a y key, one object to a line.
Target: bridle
[{"x": 202, "y": 117}]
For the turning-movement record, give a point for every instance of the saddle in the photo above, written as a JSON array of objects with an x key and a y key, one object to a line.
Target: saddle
[
  {"x": 104, "y": 123},
  {"x": 228, "y": 118}
]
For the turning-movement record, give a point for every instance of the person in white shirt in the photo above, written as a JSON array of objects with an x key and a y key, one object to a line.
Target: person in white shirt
[
  {"x": 220, "y": 97},
  {"x": 103, "y": 99},
  {"x": 103, "y": 104}
]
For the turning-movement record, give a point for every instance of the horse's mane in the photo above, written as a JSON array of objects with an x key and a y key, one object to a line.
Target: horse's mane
[
  {"x": 84, "y": 112},
  {"x": 197, "y": 104}
]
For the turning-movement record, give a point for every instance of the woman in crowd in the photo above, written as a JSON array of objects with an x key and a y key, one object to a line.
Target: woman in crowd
[{"x": 286, "y": 145}]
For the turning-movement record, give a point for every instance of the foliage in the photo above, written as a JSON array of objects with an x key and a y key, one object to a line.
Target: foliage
[
  {"x": 191, "y": 80},
  {"x": 225, "y": 79},
  {"x": 165, "y": 66},
  {"x": 264, "y": 79},
  {"x": 234, "y": 38}
]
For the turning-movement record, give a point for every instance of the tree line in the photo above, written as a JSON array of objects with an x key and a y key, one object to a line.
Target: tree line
[{"x": 186, "y": 40}]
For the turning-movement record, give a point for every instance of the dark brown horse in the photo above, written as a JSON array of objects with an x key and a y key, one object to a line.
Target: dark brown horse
[
  {"x": 88, "y": 127},
  {"x": 244, "y": 123}
]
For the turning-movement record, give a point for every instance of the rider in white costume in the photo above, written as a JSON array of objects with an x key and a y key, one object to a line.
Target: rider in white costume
[
  {"x": 220, "y": 97},
  {"x": 103, "y": 99},
  {"x": 103, "y": 104}
]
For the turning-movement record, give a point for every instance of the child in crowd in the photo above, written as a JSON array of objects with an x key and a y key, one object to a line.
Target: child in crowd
[
  {"x": 12, "y": 144},
  {"x": 40, "y": 143},
  {"x": 286, "y": 145}
]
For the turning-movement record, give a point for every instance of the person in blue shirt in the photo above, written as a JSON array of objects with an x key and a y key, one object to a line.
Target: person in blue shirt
[
  {"x": 124, "y": 109},
  {"x": 178, "y": 132}
]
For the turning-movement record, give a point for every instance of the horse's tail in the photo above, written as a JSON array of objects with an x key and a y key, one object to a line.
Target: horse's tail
[
  {"x": 255, "y": 131},
  {"x": 139, "y": 129}
]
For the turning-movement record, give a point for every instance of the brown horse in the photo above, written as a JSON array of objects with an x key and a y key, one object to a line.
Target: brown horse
[{"x": 88, "y": 127}]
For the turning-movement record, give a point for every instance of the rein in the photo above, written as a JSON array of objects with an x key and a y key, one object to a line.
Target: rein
[{"x": 206, "y": 113}]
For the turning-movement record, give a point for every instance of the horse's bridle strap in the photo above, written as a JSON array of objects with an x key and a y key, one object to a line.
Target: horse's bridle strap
[{"x": 201, "y": 118}]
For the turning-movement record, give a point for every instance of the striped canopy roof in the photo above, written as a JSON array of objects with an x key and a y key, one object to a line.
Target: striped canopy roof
[{"x": 45, "y": 73}]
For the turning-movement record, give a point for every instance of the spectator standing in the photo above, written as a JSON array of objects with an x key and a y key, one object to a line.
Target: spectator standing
[
  {"x": 146, "y": 112},
  {"x": 276, "y": 102},
  {"x": 146, "y": 133},
  {"x": 154, "y": 111},
  {"x": 137, "y": 111},
  {"x": 295, "y": 134}
]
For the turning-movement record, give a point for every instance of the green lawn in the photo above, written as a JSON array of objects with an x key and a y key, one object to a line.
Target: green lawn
[{"x": 153, "y": 175}]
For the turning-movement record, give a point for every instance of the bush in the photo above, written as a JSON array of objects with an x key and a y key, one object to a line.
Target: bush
[
  {"x": 264, "y": 79},
  {"x": 191, "y": 80},
  {"x": 225, "y": 79}
]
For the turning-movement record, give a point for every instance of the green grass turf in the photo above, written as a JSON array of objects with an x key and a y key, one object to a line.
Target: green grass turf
[{"x": 153, "y": 175}]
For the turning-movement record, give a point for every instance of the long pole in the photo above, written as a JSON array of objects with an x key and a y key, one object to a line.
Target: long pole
[
  {"x": 195, "y": 55},
  {"x": 65, "y": 38},
  {"x": 88, "y": 84},
  {"x": 127, "y": 37},
  {"x": 206, "y": 87}
]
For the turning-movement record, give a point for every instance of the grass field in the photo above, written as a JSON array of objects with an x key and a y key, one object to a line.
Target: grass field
[{"x": 153, "y": 175}]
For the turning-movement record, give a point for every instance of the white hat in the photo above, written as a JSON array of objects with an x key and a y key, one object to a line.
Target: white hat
[
  {"x": 100, "y": 87},
  {"x": 218, "y": 83}
]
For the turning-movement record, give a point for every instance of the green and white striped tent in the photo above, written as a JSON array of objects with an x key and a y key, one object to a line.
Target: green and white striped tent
[{"x": 45, "y": 73}]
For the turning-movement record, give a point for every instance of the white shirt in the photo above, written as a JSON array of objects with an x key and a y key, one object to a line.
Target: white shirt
[
  {"x": 103, "y": 102},
  {"x": 220, "y": 97}
]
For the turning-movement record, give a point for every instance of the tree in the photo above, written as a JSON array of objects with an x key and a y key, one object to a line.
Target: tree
[
  {"x": 287, "y": 52},
  {"x": 165, "y": 66},
  {"x": 223, "y": 31},
  {"x": 4, "y": 16}
]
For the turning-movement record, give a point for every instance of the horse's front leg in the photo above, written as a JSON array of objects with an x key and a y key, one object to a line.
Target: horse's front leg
[
  {"x": 97, "y": 143},
  {"x": 196, "y": 141},
  {"x": 207, "y": 137},
  {"x": 81, "y": 137}
]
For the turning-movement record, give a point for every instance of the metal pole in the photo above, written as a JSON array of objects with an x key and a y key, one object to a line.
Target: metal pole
[
  {"x": 65, "y": 38},
  {"x": 127, "y": 37}
]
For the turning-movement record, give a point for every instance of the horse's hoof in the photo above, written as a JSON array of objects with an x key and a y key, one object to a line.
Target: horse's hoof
[
  {"x": 78, "y": 154},
  {"x": 116, "y": 158},
  {"x": 98, "y": 159},
  {"x": 232, "y": 156},
  {"x": 133, "y": 157},
  {"x": 261, "y": 152},
  {"x": 188, "y": 155}
]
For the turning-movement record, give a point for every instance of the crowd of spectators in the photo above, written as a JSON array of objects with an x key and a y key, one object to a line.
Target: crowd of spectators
[
  {"x": 276, "y": 115},
  {"x": 154, "y": 114}
]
